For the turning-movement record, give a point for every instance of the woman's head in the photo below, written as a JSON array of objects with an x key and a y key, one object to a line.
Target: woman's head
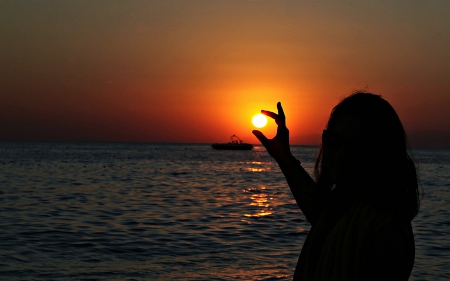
[{"x": 364, "y": 147}]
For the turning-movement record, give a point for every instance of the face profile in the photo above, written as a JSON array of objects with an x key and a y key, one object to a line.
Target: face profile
[{"x": 340, "y": 142}]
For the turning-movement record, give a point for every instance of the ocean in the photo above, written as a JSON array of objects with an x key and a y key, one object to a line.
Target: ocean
[{"x": 130, "y": 211}]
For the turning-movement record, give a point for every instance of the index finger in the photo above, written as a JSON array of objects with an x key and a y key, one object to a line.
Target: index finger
[
  {"x": 279, "y": 118},
  {"x": 274, "y": 116}
]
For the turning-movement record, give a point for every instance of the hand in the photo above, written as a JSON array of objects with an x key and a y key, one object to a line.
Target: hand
[{"x": 278, "y": 147}]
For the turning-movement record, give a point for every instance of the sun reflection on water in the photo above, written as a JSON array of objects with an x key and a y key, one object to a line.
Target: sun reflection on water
[
  {"x": 257, "y": 170},
  {"x": 260, "y": 200},
  {"x": 260, "y": 167}
]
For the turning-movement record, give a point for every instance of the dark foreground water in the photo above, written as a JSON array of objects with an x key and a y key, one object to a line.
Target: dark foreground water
[{"x": 173, "y": 212}]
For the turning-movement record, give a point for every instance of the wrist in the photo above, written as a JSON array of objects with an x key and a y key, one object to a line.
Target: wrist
[{"x": 289, "y": 162}]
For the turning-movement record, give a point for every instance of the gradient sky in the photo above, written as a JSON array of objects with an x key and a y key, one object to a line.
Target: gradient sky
[{"x": 197, "y": 71}]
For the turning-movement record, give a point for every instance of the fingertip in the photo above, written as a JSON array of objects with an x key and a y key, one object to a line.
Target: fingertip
[{"x": 258, "y": 134}]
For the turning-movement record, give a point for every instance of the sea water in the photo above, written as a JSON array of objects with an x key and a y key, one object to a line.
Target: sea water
[{"x": 121, "y": 211}]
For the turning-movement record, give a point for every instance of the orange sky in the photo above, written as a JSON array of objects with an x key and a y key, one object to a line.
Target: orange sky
[{"x": 197, "y": 71}]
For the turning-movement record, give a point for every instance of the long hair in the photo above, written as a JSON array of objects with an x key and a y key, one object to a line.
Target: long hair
[{"x": 385, "y": 170}]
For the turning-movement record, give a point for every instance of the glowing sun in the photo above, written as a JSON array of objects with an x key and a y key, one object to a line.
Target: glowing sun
[{"x": 259, "y": 120}]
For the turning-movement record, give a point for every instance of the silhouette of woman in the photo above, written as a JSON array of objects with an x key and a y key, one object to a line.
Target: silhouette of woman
[{"x": 364, "y": 195}]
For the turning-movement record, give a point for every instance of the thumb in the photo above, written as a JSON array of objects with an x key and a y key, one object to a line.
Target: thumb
[{"x": 260, "y": 136}]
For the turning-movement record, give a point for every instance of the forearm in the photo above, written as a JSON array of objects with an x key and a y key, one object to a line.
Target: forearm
[{"x": 301, "y": 184}]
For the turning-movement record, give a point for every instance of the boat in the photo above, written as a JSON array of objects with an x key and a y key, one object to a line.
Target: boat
[{"x": 235, "y": 144}]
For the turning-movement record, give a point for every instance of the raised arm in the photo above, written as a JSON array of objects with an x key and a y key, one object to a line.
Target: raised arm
[{"x": 301, "y": 184}]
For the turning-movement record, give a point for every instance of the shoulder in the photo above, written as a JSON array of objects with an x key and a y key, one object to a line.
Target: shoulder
[
  {"x": 392, "y": 252},
  {"x": 396, "y": 237}
]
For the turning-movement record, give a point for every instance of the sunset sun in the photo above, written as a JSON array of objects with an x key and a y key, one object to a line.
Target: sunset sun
[{"x": 259, "y": 120}]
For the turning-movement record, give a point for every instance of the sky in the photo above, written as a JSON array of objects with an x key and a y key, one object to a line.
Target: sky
[{"x": 198, "y": 71}]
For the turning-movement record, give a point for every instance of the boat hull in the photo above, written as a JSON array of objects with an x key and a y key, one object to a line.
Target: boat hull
[{"x": 232, "y": 146}]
